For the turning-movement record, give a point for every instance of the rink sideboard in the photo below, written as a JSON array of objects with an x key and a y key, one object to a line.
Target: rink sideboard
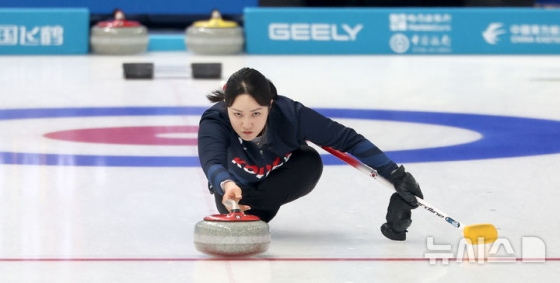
[
  {"x": 44, "y": 31},
  {"x": 428, "y": 31},
  {"x": 402, "y": 31}
]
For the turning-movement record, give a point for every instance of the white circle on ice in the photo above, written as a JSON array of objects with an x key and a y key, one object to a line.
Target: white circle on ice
[
  {"x": 397, "y": 135},
  {"x": 27, "y": 135}
]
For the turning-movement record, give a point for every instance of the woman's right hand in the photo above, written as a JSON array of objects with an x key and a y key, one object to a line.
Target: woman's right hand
[{"x": 233, "y": 191}]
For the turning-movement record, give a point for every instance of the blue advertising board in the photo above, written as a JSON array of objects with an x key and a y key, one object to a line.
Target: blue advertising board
[
  {"x": 44, "y": 31},
  {"x": 402, "y": 31}
]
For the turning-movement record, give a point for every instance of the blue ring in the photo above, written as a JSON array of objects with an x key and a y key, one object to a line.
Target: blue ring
[{"x": 502, "y": 136}]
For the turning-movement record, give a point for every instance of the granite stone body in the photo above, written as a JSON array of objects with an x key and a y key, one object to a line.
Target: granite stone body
[
  {"x": 119, "y": 41},
  {"x": 215, "y": 36},
  {"x": 215, "y": 41},
  {"x": 232, "y": 238},
  {"x": 119, "y": 37}
]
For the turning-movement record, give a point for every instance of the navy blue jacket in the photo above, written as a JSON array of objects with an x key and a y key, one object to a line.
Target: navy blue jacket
[{"x": 224, "y": 155}]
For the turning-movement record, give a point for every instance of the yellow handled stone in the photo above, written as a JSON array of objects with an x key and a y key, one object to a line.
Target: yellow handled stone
[{"x": 215, "y": 21}]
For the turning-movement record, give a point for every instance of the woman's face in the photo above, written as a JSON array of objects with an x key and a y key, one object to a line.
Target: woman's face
[{"x": 247, "y": 117}]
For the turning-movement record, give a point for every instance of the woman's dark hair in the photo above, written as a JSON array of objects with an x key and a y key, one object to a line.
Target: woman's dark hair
[{"x": 246, "y": 81}]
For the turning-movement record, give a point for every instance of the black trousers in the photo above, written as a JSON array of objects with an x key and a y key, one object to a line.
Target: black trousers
[{"x": 294, "y": 179}]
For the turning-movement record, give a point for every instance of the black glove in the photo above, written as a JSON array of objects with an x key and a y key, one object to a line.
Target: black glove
[{"x": 406, "y": 186}]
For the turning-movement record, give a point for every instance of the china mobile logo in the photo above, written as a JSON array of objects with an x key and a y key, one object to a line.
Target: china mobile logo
[
  {"x": 313, "y": 32},
  {"x": 492, "y": 33},
  {"x": 532, "y": 249}
]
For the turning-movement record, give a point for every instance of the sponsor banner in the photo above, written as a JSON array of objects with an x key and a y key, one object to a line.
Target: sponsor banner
[
  {"x": 44, "y": 31},
  {"x": 402, "y": 31}
]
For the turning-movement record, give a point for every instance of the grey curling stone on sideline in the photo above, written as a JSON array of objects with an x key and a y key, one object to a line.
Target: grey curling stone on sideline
[
  {"x": 215, "y": 36},
  {"x": 234, "y": 234},
  {"x": 119, "y": 37}
]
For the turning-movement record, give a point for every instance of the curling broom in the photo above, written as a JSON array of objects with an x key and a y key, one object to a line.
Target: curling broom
[{"x": 475, "y": 234}]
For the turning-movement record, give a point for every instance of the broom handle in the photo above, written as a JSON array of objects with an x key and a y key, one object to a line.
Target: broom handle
[{"x": 372, "y": 173}]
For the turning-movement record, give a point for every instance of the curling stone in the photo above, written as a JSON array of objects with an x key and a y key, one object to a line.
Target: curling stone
[
  {"x": 215, "y": 36},
  {"x": 119, "y": 37},
  {"x": 233, "y": 234}
]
